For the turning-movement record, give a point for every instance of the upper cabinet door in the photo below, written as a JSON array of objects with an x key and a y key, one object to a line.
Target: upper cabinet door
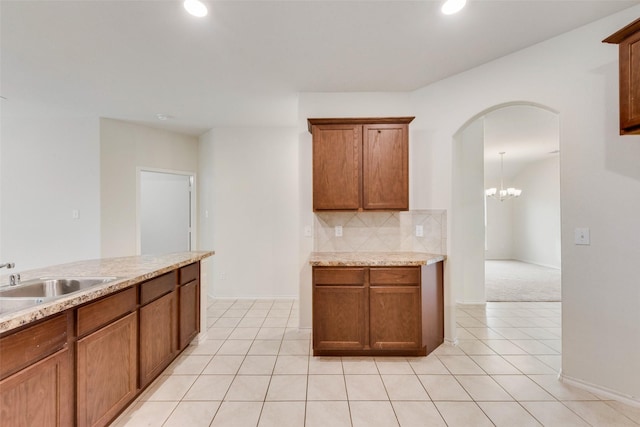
[
  {"x": 336, "y": 167},
  {"x": 629, "y": 40},
  {"x": 385, "y": 167},
  {"x": 360, "y": 163},
  {"x": 630, "y": 84}
]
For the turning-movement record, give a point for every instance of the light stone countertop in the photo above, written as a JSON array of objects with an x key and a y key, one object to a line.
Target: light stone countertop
[
  {"x": 373, "y": 259},
  {"x": 129, "y": 270}
]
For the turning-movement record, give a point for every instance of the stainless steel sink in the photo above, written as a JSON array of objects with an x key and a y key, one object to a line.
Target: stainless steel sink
[{"x": 32, "y": 292}]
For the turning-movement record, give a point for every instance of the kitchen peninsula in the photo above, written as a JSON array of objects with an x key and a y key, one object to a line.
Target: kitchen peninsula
[
  {"x": 377, "y": 303},
  {"x": 81, "y": 358}
]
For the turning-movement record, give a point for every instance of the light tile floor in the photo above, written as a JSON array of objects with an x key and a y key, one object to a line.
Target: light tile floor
[{"x": 255, "y": 369}]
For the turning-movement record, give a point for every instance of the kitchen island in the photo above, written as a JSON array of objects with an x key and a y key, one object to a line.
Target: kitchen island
[
  {"x": 377, "y": 303},
  {"x": 81, "y": 358}
]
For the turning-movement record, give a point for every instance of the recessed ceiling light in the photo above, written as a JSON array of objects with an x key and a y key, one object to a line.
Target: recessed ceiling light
[
  {"x": 196, "y": 8},
  {"x": 163, "y": 117},
  {"x": 453, "y": 6}
]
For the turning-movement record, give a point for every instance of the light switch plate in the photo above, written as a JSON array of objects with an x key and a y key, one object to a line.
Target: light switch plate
[
  {"x": 307, "y": 231},
  {"x": 419, "y": 231},
  {"x": 582, "y": 236},
  {"x": 338, "y": 230}
]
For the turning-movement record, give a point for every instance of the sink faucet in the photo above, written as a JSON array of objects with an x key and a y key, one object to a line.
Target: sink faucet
[
  {"x": 8, "y": 265},
  {"x": 14, "y": 279}
]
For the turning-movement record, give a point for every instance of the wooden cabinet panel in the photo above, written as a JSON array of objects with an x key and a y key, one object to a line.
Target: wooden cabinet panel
[
  {"x": 189, "y": 312},
  {"x": 395, "y": 317},
  {"x": 628, "y": 39},
  {"x": 336, "y": 167},
  {"x": 157, "y": 287},
  {"x": 360, "y": 163},
  {"x": 432, "y": 306},
  {"x": 339, "y": 276},
  {"x": 106, "y": 371},
  {"x": 394, "y": 276},
  {"x": 97, "y": 314},
  {"x": 630, "y": 84},
  {"x": 158, "y": 336},
  {"x": 21, "y": 349},
  {"x": 40, "y": 395},
  {"x": 339, "y": 317},
  {"x": 385, "y": 167},
  {"x": 189, "y": 273}
]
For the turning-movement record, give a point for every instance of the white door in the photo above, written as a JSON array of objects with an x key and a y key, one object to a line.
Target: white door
[{"x": 165, "y": 212}]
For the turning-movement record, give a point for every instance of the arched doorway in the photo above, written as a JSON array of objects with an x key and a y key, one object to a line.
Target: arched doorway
[{"x": 495, "y": 127}]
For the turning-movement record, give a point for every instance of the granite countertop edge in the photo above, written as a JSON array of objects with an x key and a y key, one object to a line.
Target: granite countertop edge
[
  {"x": 128, "y": 270},
  {"x": 373, "y": 259}
]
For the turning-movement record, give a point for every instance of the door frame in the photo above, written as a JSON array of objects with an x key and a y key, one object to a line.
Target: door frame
[{"x": 192, "y": 218}]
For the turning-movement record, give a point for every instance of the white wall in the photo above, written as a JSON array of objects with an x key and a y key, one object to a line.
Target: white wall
[
  {"x": 50, "y": 167},
  {"x": 469, "y": 235},
  {"x": 500, "y": 227},
  {"x": 251, "y": 190},
  {"x": 576, "y": 75},
  {"x": 536, "y": 214},
  {"x": 125, "y": 147},
  {"x": 528, "y": 228}
]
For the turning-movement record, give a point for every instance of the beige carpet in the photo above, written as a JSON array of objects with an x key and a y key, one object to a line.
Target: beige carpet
[{"x": 520, "y": 281}]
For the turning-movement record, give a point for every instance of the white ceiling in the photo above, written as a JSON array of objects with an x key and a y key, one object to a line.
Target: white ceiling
[
  {"x": 525, "y": 134},
  {"x": 244, "y": 64}
]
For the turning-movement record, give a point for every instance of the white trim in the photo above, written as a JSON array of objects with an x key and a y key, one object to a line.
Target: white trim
[
  {"x": 201, "y": 338},
  {"x": 453, "y": 342},
  {"x": 600, "y": 391},
  {"x": 262, "y": 297},
  {"x": 471, "y": 303}
]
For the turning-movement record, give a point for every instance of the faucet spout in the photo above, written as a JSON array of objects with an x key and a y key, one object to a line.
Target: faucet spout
[{"x": 8, "y": 265}]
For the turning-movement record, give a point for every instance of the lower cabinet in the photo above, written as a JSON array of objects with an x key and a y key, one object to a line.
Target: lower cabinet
[
  {"x": 339, "y": 309},
  {"x": 395, "y": 317},
  {"x": 36, "y": 375},
  {"x": 84, "y": 366},
  {"x": 158, "y": 336},
  {"x": 40, "y": 395},
  {"x": 189, "y": 301},
  {"x": 377, "y": 310},
  {"x": 189, "y": 296},
  {"x": 106, "y": 371}
]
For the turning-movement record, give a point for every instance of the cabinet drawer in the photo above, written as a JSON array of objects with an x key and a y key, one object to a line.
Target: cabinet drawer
[
  {"x": 97, "y": 314},
  {"x": 394, "y": 276},
  {"x": 21, "y": 349},
  {"x": 338, "y": 276},
  {"x": 189, "y": 273},
  {"x": 157, "y": 287}
]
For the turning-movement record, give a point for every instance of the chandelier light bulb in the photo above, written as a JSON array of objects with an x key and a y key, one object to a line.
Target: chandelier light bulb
[
  {"x": 502, "y": 194},
  {"x": 195, "y": 8},
  {"x": 453, "y": 6}
]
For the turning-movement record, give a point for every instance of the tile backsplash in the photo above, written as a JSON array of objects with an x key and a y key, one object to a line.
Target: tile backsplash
[{"x": 381, "y": 231}]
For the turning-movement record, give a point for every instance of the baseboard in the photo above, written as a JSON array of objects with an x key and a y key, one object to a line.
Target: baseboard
[
  {"x": 471, "y": 303},
  {"x": 201, "y": 337},
  {"x": 450, "y": 341},
  {"x": 600, "y": 391},
  {"x": 287, "y": 297}
]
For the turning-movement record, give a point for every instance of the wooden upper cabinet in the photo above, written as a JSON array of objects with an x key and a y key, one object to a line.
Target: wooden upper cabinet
[
  {"x": 628, "y": 39},
  {"x": 360, "y": 164},
  {"x": 337, "y": 154},
  {"x": 385, "y": 178}
]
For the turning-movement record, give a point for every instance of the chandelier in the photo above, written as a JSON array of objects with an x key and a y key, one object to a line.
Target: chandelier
[{"x": 502, "y": 194}]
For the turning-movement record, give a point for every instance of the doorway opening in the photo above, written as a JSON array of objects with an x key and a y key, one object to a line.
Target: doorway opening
[
  {"x": 510, "y": 249},
  {"x": 166, "y": 207}
]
